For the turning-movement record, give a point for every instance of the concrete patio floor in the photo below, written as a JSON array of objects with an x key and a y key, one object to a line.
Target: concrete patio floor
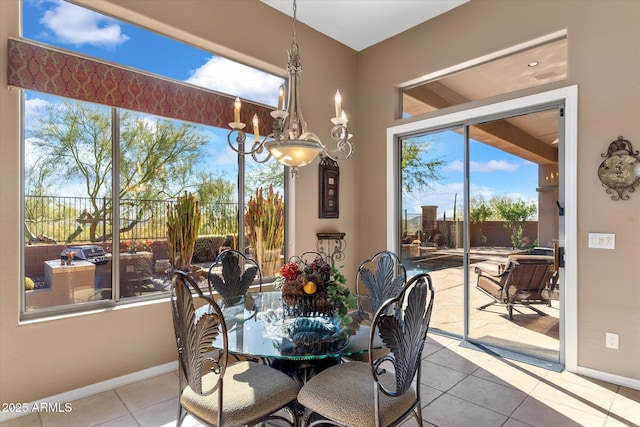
[{"x": 527, "y": 332}]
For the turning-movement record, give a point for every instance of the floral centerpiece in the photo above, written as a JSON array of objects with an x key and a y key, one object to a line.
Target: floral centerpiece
[{"x": 314, "y": 289}]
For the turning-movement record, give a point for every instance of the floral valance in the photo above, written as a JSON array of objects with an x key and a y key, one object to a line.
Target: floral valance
[{"x": 54, "y": 71}]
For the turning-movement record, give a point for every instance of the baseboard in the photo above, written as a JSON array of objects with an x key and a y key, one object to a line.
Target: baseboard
[
  {"x": 610, "y": 378},
  {"x": 100, "y": 387}
]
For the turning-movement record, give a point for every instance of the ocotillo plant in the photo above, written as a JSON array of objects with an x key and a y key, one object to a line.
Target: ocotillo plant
[{"x": 183, "y": 225}]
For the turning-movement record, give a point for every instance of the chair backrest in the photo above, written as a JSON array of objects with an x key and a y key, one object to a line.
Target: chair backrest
[
  {"x": 402, "y": 323},
  {"x": 530, "y": 273},
  {"x": 196, "y": 329},
  {"x": 387, "y": 281},
  {"x": 232, "y": 274}
]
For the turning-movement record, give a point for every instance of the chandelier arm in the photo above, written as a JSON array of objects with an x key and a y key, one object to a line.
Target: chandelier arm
[
  {"x": 257, "y": 147},
  {"x": 290, "y": 142},
  {"x": 344, "y": 147}
]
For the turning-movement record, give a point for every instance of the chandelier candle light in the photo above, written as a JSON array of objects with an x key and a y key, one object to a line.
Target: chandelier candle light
[{"x": 291, "y": 143}]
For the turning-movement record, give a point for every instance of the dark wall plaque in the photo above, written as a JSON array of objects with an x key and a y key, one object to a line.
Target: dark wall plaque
[{"x": 329, "y": 180}]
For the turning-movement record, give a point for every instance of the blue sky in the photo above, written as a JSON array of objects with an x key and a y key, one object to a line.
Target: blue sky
[
  {"x": 68, "y": 26},
  {"x": 493, "y": 173},
  {"x": 71, "y": 27}
]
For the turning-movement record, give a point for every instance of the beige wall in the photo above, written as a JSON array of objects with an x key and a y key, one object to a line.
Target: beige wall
[
  {"x": 63, "y": 354},
  {"x": 604, "y": 61},
  {"x": 41, "y": 359}
]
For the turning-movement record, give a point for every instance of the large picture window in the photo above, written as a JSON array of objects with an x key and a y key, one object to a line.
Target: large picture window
[{"x": 102, "y": 163}]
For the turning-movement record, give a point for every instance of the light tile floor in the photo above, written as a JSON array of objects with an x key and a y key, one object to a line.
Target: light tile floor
[{"x": 460, "y": 387}]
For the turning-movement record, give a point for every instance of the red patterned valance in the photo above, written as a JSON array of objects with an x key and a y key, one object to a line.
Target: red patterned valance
[{"x": 42, "y": 68}]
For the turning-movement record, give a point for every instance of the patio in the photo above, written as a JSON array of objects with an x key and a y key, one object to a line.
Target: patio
[
  {"x": 527, "y": 332},
  {"x": 460, "y": 387}
]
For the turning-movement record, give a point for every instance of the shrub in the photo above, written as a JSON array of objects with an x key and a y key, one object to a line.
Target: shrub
[
  {"x": 28, "y": 284},
  {"x": 206, "y": 248}
]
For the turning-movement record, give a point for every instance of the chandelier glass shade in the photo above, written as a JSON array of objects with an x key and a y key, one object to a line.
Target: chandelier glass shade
[{"x": 291, "y": 143}]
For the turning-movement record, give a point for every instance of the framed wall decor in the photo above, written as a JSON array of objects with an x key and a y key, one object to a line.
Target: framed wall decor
[
  {"x": 329, "y": 181},
  {"x": 620, "y": 170}
]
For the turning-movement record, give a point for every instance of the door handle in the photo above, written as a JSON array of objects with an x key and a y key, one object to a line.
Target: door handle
[{"x": 558, "y": 257}]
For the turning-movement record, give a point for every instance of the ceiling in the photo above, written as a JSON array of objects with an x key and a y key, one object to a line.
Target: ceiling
[{"x": 363, "y": 23}]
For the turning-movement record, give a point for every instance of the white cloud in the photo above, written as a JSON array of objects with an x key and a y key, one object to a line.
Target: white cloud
[
  {"x": 77, "y": 26},
  {"x": 485, "y": 167},
  {"x": 230, "y": 77},
  {"x": 32, "y": 109}
]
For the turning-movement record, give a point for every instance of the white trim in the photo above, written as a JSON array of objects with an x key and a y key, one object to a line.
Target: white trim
[
  {"x": 610, "y": 378},
  {"x": 568, "y": 95},
  {"x": 570, "y": 176},
  {"x": 486, "y": 58},
  {"x": 90, "y": 390},
  {"x": 392, "y": 208},
  {"x": 290, "y": 206}
]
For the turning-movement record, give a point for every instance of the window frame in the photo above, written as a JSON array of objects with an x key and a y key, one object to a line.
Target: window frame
[{"x": 250, "y": 107}]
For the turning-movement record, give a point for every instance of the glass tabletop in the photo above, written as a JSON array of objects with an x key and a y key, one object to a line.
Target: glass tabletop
[{"x": 257, "y": 326}]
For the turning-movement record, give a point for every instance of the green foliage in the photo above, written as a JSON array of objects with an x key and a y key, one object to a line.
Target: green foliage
[
  {"x": 264, "y": 175},
  {"x": 514, "y": 214},
  {"x": 156, "y": 159},
  {"x": 206, "y": 248},
  {"x": 417, "y": 170},
  {"x": 479, "y": 212},
  {"x": 218, "y": 203},
  {"x": 28, "y": 284},
  {"x": 183, "y": 224}
]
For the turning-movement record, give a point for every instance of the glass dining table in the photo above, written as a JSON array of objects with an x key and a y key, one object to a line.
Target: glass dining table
[{"x": 259, "y": 329}]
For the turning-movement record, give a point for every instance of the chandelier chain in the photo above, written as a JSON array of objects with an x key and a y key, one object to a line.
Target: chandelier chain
[
  {"x": 290, "y": 142},
  {"x": 295, "y": 9}
]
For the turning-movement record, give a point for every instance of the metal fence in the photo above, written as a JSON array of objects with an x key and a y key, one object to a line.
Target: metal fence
[{"x": 82, "y": 219}]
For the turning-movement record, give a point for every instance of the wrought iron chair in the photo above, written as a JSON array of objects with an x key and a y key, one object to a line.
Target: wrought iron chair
[
  {"x": 383, "y": 276},
  {"x": 390, "y": 275},
  {"x": 232, "y": 274},
  {"x": 381, "y": 392},
  {"x": 230, "y": 394},
  {"x": 526, "y": 280}
]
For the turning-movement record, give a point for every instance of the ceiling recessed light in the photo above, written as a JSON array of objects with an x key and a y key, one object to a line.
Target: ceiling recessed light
[{"x": 533, "y": 64}]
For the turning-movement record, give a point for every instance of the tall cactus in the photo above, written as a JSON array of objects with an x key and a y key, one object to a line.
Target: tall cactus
[{"x": 183, "y": 226}]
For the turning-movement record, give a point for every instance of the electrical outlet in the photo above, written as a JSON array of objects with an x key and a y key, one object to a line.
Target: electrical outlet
[
  {"x": 611, "y": 340},
  {"x": 602, "y": 240}
]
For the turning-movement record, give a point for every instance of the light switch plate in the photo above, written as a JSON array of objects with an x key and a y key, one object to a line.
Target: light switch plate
[
  {"x": 602, "y": 240},
  {"x": 612, "y": 340}
]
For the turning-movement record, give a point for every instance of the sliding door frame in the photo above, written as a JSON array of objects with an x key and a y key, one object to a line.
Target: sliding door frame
[{"x": 567, "y": 96}]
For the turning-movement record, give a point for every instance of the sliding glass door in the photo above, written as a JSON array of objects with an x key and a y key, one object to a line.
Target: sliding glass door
[
  {"x": 432, "y": 218},
  {"x": 481, "y": 199}
]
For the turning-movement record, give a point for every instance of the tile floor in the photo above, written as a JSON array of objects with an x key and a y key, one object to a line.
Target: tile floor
[{"x": 460, "y": 387}]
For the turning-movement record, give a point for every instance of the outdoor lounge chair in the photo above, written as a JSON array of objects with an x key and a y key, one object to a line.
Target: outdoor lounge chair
[{"x": 525, "y": 280}]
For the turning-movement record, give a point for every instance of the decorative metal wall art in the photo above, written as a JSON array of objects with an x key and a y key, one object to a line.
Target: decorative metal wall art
[
  {"x": 335, "y": 245},
  {"x": 329, "y": 180},
  {"x": 620, "y": 170}
]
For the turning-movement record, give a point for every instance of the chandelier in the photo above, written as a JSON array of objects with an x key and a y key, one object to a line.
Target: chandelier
[{"x": 291, "y": 143}]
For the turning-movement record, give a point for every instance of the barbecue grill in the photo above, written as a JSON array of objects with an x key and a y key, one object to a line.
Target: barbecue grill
[{"x": 92, "y": 253}]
